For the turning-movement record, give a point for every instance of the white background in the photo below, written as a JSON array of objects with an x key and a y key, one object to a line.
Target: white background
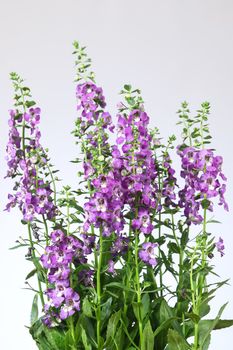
[{"x": 173, "y": 50}]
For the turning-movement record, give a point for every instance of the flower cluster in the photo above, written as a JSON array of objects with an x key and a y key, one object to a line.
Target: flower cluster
[
  {"x": 104, "y": 209},
  {"x": 203, "y": 176},
  {"x": 32, "y": 193},
  {"x": 134, "y": 165},
  {"x": 63, "y": 301},
  {"x": 13, "y": 148},
  {"x": 92, "y": 124}
]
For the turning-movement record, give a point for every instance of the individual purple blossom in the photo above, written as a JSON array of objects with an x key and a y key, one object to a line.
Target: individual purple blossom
[
  {"x": 143, "y": 222},
  {"x": 120, "y": 246},
  {"x": 147, "y": 253},
  {"x": 86, "y": 277},
  {"x": 71, "y": 303},
  {"x": 111, "y": 267}
]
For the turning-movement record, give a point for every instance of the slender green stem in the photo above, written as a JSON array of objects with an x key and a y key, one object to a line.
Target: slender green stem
[
  {"x": 200, "y": 282},
  {"x": 193, "y": 293},
  {"x": 34, "y": 261},
  {"x": 71, "y": 320},
  {"x": 54, "y": 184},
  {"x": 23, "y": 123},
  {"x": 99, "y": 267},
  {"x": 129, "y": 266},
  {"x": 46, "y": 230},
  {"x": 138, "y": 286},
  {"x": 160, "y": 183},
  {"x": 160, "y": 270},
  {"x": 181, "y": 255}
]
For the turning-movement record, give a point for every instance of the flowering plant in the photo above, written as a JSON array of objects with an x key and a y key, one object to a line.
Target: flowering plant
[{"x": 121, "y": 262}]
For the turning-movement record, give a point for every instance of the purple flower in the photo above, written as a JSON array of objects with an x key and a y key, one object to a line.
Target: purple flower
[
  {"x": 220, "y": 246},
  {"x": 143, "y": 222},
  {"x": 147, "y": 254},
  {"x": 71, "y": 304},
  {"x": 111, "y": 267}
]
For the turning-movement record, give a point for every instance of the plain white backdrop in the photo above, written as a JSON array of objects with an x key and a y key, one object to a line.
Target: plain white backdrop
[{"x": 174, "y": 50}]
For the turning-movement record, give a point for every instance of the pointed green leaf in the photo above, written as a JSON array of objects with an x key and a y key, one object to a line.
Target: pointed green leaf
[
  {"x": 164, "y": 326},
  {"x": 176, "y": 341},
  {"x": 86, "y": 344},
  {"x": 112, "y": 325},
  {"x": 207, "y": 328},
  {"x": 87, "y": 307},
  {"x": 34, "y": 310},
  {"x": 148, "y": 337}
]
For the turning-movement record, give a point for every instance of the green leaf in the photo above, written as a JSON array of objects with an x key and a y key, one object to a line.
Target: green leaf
[
  {"x": 204, "y": 309},
  {"x": 145, "y": 305},
  {"x": 184, "y": 238},
  {"x": 213, "y": 222},
  {"x": 86, "y": 344},
  {"x": 119, "y": 338},
  {"x": 106, "y": 309},
  {"x": 221, "y": 324},
  {"x": 127, "y": 87},
  {"x": 56, "y": 338},
  {"x": 176, "y": 341},
  {"x": 136, "y": 309},
  {"x": 112, "y": 326},
  {"x": 148, "y": 337},
  {"x": 166, "y": 313},
  {"x": 206, "y": 328},
  {"x": 19, "y": 246},
  {"x": 85, "y": 323},
  {"x": 30, "y": 274},
  {"x": 194, "y": 317},
  {"x": 68, "y": 340},
  {"x": 120, "y": 285},
  {"x": 34, "y": 310},
  {"x": 207, "y": 343},
  {"x": 164, "y": 326},
  {"x": 87, "y": 307},
  {"x": 30, "y": 103}
]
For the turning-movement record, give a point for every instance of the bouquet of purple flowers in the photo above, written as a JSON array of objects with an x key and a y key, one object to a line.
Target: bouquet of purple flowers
[{"x": 122, "y": 261}]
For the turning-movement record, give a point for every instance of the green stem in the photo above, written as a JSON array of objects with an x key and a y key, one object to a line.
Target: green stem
[
  {"x": 23, "y": 126},
  {"x": 54, "y": 184},
  {"x": 160, "y": 183},
  {"x": 181, "y": 255},
  {"x": 46, "y": 230},
  {"x": 99, "y": 267},
  {"x": 128, "y": 265},
  {"x": 71, "y": 320},
  {"x": 200, "y": 285},
  {"x": 193, "y": 293},
  {"x": 34, "y": 259},
  {"x": 138, "y": 286},
  {"x": 160, "y": 270}
]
